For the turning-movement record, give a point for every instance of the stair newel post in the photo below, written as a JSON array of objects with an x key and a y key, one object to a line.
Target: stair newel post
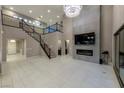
[
  {"x": 56, "y": 26},
  {"x": 49, "y": 53}
]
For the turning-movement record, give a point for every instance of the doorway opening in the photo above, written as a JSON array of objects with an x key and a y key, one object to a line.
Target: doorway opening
[{"x": 16, "y": 49}]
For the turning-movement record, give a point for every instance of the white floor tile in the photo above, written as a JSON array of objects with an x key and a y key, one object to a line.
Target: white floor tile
[{"x": 61, "y": 72}]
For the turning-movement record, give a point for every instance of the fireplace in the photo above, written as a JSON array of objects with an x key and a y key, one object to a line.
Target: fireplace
[{"x": 84, "y": 52}]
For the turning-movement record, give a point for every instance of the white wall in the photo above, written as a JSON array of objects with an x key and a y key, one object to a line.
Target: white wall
[
  {"x": 68, "y": 33},
  {"x": 106, "y": 29},
  {"x": 118, "y": 17},
  {"x": 52, "y": 40}
]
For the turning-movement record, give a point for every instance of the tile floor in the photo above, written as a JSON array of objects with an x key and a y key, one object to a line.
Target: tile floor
[
  {"x": 60, "y": 72},
  {"x": 16, "y": 57}
]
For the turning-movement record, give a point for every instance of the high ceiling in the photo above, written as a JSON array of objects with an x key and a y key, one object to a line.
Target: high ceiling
[{"x": 49, "y": 13}]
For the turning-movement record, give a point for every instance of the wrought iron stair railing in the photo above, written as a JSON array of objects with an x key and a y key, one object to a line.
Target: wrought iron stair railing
[
  {"x": 13, "y": 22},
  {"x": 30, "y": 31}
]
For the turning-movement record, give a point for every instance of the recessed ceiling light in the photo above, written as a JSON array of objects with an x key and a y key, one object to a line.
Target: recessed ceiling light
[
  {"x": 12, "y": 41},
  {"x": 30, "y": 21},
  {"x": 37, "y": 24},
  {"x": 15, "y": 16},
  {"x": 33, "y": 23},
  {"x": 58, "y": 16},
  {"x": 48, "y": 11},
  {"x": 20, "y": 18},
  {"x": 41, "y": 16},
  {"x": 11, "y": 8},
  {"x": 30, "y": 11},
  {"x": 25, "y": 20}
]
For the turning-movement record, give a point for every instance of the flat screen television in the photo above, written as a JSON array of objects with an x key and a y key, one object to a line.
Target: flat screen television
[{"x": 85, "y": 39}]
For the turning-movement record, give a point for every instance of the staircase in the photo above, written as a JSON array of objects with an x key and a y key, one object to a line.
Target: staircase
[{"x": 14, "y": 22}]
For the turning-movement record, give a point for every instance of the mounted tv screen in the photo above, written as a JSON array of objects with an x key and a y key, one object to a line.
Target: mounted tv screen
[{"x": 85, "y": 39}]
